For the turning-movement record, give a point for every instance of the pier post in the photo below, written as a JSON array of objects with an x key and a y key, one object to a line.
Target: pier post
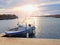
[{"x": 27, "y": 35}]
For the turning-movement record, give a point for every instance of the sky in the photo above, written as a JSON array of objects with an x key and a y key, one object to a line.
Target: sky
[{"x": 44, "y": 7}]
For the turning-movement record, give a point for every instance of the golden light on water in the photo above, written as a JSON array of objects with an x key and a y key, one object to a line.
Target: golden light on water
[
  {"x": 30, "y": 20},
  {"x": 27, "y": 20}
]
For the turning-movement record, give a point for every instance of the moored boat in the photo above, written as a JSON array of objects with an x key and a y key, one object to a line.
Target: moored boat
[{"x": 21, "y": 31}]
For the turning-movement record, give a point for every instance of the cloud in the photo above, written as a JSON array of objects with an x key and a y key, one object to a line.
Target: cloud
[
  {"x": 45, "y": 6},
  {"x": 50, "y": 7},
  {"x": 13, "y": 3},
  {"x": 48, "y": 1},
  {"x": 6, "y": 11},
  {"x": 8, "y": 3}
]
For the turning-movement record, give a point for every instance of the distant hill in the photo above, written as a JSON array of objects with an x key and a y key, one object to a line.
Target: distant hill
[
  {"x": 7, "y": 16},
  {"x": 56, "y": 16}
]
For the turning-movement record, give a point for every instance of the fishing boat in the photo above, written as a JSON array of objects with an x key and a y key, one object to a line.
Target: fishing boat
[{"x": 21, "y": 31}]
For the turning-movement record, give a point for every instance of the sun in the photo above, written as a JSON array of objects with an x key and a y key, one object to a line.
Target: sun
[{"x": 27, "y": 8}]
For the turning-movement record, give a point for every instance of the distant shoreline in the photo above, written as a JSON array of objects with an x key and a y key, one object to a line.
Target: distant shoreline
[
  {"x": 55, "y": 16},
  {"x": 7, "y": 16}
]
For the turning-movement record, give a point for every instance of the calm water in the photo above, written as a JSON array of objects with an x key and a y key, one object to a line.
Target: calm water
[
  {"x": 7, "y": 24},
  {"x": 46, "y": 27}
]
